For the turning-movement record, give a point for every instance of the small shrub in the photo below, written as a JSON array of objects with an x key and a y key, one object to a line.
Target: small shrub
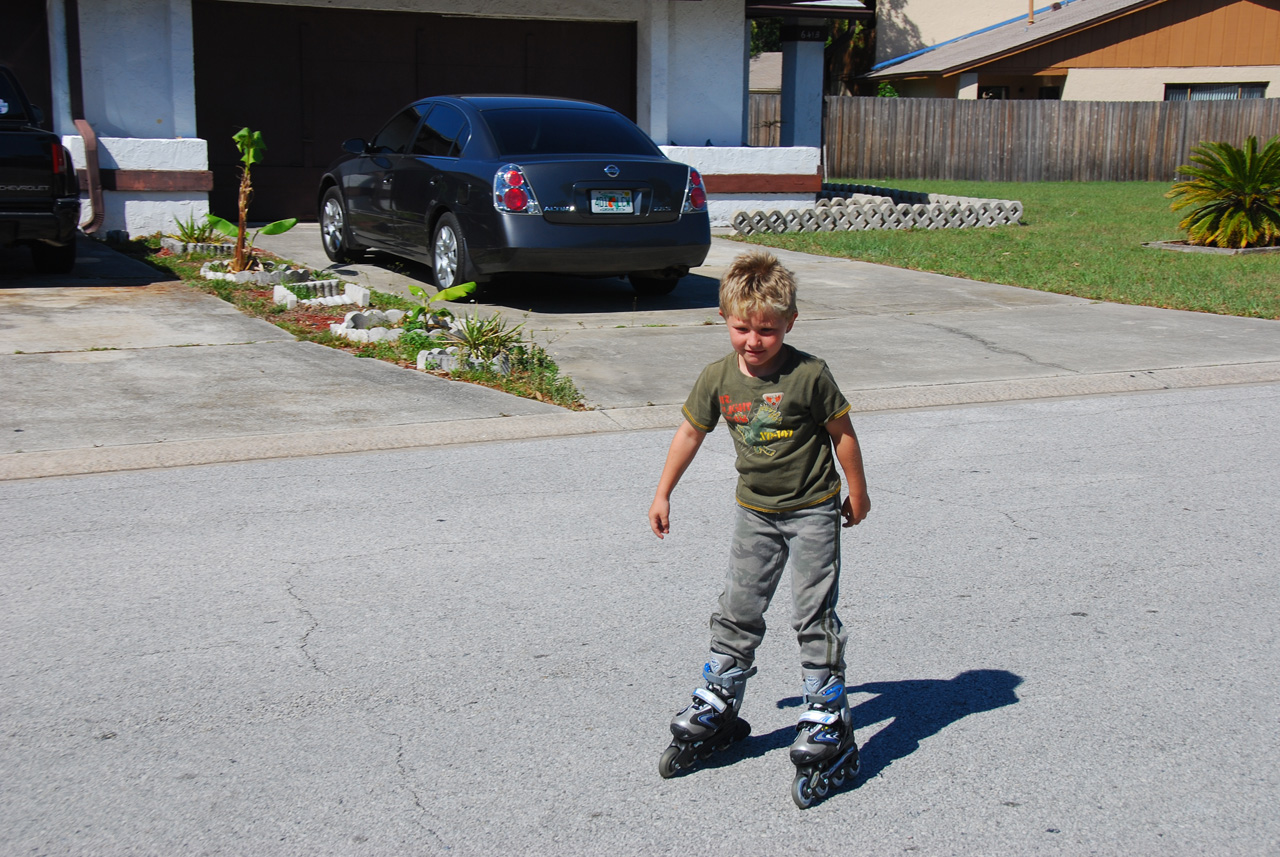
[
  {"x": 191, "y": 232},
  {"x": 1233, "y": 194}
]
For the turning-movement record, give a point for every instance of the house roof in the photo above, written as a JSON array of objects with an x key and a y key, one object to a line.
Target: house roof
[
  {"x": 811, "y": 8},
  {"x": 1009, "y": 37}
]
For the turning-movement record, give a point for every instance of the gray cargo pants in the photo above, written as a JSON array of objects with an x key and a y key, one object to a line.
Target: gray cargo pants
[{"x": 762, "y": 543}]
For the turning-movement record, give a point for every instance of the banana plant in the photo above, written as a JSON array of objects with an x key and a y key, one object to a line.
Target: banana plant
[
  {"x": 244, "y": 248},
  {"x": 252, "y": 147},
  {"x": 451, "y": 294}
]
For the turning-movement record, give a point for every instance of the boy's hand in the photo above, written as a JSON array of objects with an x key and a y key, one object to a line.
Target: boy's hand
[
  {"x": 855, "y": 512},
  {"x": 660, "y": 517}
]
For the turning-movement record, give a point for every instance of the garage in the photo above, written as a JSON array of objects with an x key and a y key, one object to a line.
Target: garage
[
  {"x": 24, "y": 47},
  {"x": 309, "y": 78}
]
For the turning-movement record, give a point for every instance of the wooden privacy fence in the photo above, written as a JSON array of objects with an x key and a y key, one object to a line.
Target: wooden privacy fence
[
  {"x": 936, "y": 138},
  {"x": 765, "y": 119}
]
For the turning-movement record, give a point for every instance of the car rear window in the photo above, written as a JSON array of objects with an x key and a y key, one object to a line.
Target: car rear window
[
  {"x": 565, "y": 131},
  {"x": 11, "y": 109}
]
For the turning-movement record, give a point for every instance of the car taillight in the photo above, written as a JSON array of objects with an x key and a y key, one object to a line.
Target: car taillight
[
  {"x": 59, "y": 162},
  {"x": 695, "y": 195},
  {"x": 512, "y": 192}
]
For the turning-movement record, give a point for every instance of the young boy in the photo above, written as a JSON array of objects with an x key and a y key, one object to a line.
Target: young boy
[{"x": 790, "y": 426}]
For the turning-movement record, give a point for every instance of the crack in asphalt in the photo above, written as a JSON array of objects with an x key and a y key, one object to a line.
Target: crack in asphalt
[{"x": 303, "y": 644}]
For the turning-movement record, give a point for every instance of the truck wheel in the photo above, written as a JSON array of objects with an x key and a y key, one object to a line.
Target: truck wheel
[{"x": 51, "y": 259}]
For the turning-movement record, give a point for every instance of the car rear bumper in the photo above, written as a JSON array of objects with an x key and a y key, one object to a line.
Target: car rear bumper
[
  {"x": 57, "y": 226},
  {"x": 529, "y": 244}
]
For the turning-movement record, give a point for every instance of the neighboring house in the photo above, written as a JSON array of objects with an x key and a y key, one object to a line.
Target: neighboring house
[
  {"x": 160, "y": 86},
  {"x": 1095, "y": 50}
]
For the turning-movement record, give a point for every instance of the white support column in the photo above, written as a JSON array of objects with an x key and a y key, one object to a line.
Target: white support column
[
  {"x": 967, "y": 86},
  {"x": 653, "y": 35},
  {"x": 182, "y": 68},
  {"x": 802, "y": 68},
  {"x": 59, "y": 78}
]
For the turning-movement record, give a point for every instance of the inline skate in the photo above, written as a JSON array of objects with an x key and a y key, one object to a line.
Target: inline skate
[
  {"x": 825, "y": 753},
  {"x": 711, "y": 722}
]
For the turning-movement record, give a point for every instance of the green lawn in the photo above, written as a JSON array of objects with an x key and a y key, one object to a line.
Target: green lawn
[{"x": 1082, "y": 239}]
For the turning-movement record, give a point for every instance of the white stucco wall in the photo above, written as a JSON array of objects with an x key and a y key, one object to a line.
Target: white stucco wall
[
  {"x": 707, "y": 86},
  {"x": 137, "y": 212},
  {"x": 138, "y": 67},
  {"x": 1147, "y": 84},
  {"x": 903, "y": 26},
  {"x": 739, "y": 160}
]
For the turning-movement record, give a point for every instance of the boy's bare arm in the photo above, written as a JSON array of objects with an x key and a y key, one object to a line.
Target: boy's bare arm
[
  {"x": 684, "y": 446},
  {"x": 849, "y": 454}
]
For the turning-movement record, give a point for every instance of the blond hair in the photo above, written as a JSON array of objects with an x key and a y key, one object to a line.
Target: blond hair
[{"x": 758, "y": 284}]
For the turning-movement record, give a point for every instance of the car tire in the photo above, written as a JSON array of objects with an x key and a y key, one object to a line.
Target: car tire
[
  {"x": 53, "y": 259},
  {"x": 449, "y": 252},
  {"x": 653, "y": 287},
  {"x": 335, "y": 234}
]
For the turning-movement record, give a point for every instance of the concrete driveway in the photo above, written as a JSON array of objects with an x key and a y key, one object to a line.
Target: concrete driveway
[
  {"x": 111, "y": 368},
  {"x": 894, "y": 338}
]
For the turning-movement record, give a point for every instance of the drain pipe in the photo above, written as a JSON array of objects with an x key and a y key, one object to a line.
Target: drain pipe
[{"x": 94, "y": 176}]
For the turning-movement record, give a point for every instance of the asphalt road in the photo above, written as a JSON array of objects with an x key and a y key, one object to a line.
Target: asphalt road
[{"x": 1063, "y": 642}]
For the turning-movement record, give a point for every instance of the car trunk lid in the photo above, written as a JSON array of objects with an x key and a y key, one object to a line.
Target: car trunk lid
[{"x": 602, "y": 192}]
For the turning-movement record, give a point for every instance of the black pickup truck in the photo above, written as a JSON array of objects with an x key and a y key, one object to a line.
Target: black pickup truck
[{"x": 39, "y": 191}]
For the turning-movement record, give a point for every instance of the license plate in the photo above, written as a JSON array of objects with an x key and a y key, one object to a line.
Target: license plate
[{"x": 611, "y": 202}]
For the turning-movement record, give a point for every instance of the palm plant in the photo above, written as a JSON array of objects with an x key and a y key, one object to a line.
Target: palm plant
[{"x": 1233, "y": 194}]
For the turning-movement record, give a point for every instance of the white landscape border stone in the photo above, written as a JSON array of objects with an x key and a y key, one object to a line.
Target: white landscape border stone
[{"x": 846, "y": 207}]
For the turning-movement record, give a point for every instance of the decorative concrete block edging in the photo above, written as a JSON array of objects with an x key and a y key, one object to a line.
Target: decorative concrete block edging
[
  {"x": 451, "y": 358},
  {"x": 261, "y": 277},
  {"x": 846, "y": 207},
  {"x": 182, "y": 248},
  {"x": 323, "y": 292},
  {"x": 371, "y": 326}
]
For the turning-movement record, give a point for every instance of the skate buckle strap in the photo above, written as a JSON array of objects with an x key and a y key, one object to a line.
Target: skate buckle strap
[
  {"x": 817, "y": 715},
  {"x": 829, "y": 695},
  {"x": 728, "y": 680},
  {"x": 710, "y": 698}
]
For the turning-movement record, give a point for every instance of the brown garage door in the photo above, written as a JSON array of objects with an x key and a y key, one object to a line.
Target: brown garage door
[
  {"x": 309, "y": 78},
  {"x": 24, "y": 47}
]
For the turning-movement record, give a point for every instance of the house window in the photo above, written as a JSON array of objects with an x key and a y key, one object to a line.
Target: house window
[
  {"x": 993, "y": 93},
  {"x": 1213, "y": 91}
]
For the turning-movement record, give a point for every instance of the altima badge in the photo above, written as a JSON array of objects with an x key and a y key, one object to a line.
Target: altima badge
[{"x": 611, "y": 171}]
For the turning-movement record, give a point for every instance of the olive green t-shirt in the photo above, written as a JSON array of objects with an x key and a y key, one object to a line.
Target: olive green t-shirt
[{"x": 785, "y": 460}]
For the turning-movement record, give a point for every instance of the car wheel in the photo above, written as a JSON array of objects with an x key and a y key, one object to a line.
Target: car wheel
[
  {"x": 653, "y": 286},
  {"x": 449, "y": 252},
  {"x": 333, "y": 229},
  {"x": 50, "y": 259}
]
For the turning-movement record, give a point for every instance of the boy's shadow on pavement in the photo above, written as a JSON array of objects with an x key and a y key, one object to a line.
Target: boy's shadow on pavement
[{"x": 918, "y": 709}]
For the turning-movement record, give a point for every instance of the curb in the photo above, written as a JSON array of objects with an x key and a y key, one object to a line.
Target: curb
[{"x": 186, "y": 453}]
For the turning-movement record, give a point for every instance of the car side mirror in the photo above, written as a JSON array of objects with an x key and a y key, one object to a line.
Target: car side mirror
[{"x": 355, "y": 146}]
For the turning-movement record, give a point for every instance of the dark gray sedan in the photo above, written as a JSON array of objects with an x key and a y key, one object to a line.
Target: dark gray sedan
[{"x": 480, "y": 186}]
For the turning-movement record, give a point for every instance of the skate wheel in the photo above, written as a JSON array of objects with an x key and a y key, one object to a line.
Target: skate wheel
[
  {"x": 741, "y": 730},
  {"x": 801, "y": 792},
  {"x": 669, "y": 762},
  {"x": 838, "y": 777},
  {"x": 820, "y": 784}
]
